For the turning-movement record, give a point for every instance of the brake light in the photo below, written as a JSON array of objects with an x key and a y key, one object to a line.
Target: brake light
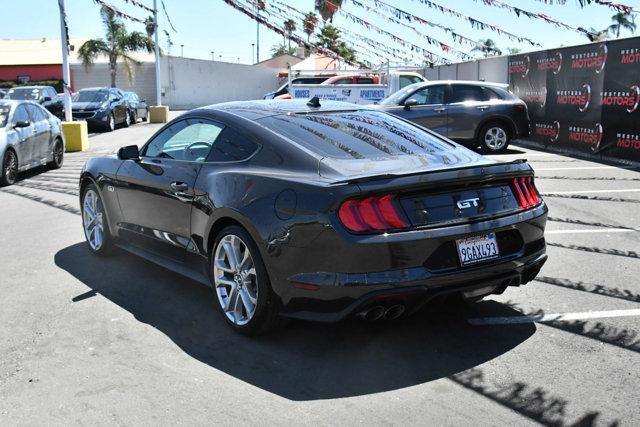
[
  {"x": 525, "y": 192},
  {"x": 378, "y": 213}
]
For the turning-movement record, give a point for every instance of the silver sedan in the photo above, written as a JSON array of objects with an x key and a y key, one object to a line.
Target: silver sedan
[{"x": 30, "y": 136}]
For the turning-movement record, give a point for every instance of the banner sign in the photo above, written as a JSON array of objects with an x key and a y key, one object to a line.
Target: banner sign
[{"x": 584, "y": 98}]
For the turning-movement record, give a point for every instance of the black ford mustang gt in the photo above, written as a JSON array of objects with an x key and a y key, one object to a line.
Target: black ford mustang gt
[{"x": 316, "y": 212}]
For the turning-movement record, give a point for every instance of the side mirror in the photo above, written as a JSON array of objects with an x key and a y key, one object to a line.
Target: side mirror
[
  {"x": 47, "y": 99},
  {"x": 22, "y": 124},
  {"x": 130, "y": 152},
  {"x": 410, "y": 103},
  {"x": 143, "y": 100}
]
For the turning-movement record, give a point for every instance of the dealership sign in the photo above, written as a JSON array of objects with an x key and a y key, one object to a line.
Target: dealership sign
[{"x": 585, "y": 98}]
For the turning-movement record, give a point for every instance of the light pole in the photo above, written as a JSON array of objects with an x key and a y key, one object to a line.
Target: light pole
[
  {"x": 253, "y": 45},
  {"x": 220, "y": 57},
  {"x": 257, "y": 32},
  {"x": 182, "y": 50},
  {"x": 157, "y": 49},
  {"x": 65, "y": 64},
  {"x": 212, "y": 56}
]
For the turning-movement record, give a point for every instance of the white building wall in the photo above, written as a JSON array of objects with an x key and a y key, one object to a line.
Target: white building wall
[
  {"x": 495, "y": 69},
  {"x": 143, "y": 82},
  {"x": 489, "y": 69},
  {"x": 189, "y": 83}
]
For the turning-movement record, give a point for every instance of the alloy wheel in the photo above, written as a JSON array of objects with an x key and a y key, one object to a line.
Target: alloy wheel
[
  {"x": 127, "y": 119},
  {"x": 235, "y": 279},
  {"x": 92, "y": 218},
  {"x": 495, "y": 138},
  {"x": 58, "y": 154},
  {"x": 10, "y": 167},
  {"x": 112, "y": 122}
]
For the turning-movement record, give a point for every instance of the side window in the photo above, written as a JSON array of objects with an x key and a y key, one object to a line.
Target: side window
[
  {"x": 345, "y": 81},
  {"x": 365, "y": 81},
  {"x": 35, "y": 113},
  {"x": 464, "y": 93},
  {"x": 491, "y": 94},
  {"x": 51, "y": 94},
  {"x": 189, "y": 140},
  {"x": 20, "y": 114},
  {"x": 405, "y": 81},
  {"x": 231, "y": 147},
  {"x": 430, "y": 95}
]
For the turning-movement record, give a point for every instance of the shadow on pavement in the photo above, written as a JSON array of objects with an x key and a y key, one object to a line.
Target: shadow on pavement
[{"x": 303, "y": 361}]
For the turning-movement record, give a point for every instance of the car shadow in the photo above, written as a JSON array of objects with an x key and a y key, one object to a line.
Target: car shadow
[{"x": 303, "y": 360}]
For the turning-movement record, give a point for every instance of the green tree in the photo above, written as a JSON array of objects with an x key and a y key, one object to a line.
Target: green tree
[
  {"x": 282, "y": 49},
  {"x": 329, "y": 38},
  {"x": 290, "y": 28},
  {"x": 309, "y": 23},
  {"x": 621, "y": 21},
  {"x": 117, "y": 44},
  {"x": 513, "y": 50},
  {"x": 487, "y": 47},
  {"x": 327, "y": 8}
]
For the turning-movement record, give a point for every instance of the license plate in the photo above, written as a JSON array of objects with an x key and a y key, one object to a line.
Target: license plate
[{"x": 477, "y": 248}]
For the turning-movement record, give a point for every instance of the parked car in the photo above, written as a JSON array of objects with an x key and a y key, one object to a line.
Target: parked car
[
  {"x": 316, "y": 212},
  {"x": 138, "y": 108},
  {"x": 3, "y": 93},
  {"x": 43, "y": 95},
  {"x": 30, "y": 136},
  {"x": 353, "y": 79},
  {"x": 473, "y": 113},
  {"x": 284, "y": 89},
  {"x": 101, "y": 107}
]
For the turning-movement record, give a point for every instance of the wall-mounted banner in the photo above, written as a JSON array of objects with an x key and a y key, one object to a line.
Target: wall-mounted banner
[{"x": 584, "y": 98}]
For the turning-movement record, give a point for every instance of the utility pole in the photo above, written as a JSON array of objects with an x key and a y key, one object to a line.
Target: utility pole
[
  {"x": 182, "y": 50},
  {"x": 155, "y": 33},
  {"x": 253, "y": 45},
  {"x": 65, "y": 64},
  {"x": 257, "y": 32},
  {"x": 212, "y": 56}
]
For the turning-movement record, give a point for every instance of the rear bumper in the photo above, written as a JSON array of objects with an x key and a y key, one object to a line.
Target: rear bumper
[{"x": 407, "y": 269}]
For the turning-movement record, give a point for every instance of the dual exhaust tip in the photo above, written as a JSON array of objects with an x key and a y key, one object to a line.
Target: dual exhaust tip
[{"x": 378, "y": 312}]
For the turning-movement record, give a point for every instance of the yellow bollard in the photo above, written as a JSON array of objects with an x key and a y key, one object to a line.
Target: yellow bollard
[
  {"x": 76, "y": 136},
  {"x": 159, "y": 114}
]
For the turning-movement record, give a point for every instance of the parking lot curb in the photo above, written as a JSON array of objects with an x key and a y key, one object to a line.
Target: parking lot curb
[
  {"x": 76, "y": 136},
  {"x": 158, "y": 114}
]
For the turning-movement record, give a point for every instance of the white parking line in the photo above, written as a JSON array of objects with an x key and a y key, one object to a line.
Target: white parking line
[
  {"x": 623, "y": 190},
  {"x": 578, "y": 168},
  {"x": 597, "y": 230},
  {"x": 510, "y": 320}
]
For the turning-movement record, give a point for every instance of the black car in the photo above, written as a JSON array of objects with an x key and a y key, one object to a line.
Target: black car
[
  {"x": 43, "y": 95},
  {"x": 316, "y": 212},
  {"x": 138, "y": 107},
  {"x": 101, "y": 107},
  {"x": 476, "y": 114}
]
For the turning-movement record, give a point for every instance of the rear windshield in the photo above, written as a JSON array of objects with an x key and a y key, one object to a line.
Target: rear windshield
[
  {"x": 91, "y": 96},
  {"x": 355, "y": 134}
]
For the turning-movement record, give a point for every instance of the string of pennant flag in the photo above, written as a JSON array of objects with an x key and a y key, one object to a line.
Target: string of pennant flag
[{"x": 118, "y": 12}]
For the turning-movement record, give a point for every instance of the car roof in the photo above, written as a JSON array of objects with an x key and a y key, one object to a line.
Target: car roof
[
  {"x": 95, "y": 88},
  {"x": 29, "y": 87},
  {"x": 464, "y": 82},
  {"x": 254, "y": 110}
]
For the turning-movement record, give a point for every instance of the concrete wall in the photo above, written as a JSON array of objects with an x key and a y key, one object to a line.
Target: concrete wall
[
  {"x": 189, "y": 83},
  {"x": 186, "y": 83},
  {"x": 143, "y": 82},
  {"x": 489, "y": 69}
]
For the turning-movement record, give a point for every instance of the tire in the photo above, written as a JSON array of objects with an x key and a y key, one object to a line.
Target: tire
[
  {"x": 111, "y": 123},
  {"x": 127, "y": 120},
  {"x": 134, "y": 117},
  {"x": 9, "y": 172},
  {"x": 98, "y": 237},
  {"x": 58, "y": 155},
  {"x": 251, "y": 279},
  {"x": 494, "y": 137}
]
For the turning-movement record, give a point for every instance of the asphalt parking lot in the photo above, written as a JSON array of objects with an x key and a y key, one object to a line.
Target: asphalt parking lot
[{"x": 121, "y": 341}]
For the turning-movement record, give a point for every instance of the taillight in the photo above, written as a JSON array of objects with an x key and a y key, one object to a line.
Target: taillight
[
  {"x": 377, "y": 213},
  {"x": 525, "y": 192}
]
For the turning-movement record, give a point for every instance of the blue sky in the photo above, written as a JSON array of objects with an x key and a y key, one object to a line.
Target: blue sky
[{"x": 212, "y": 25}]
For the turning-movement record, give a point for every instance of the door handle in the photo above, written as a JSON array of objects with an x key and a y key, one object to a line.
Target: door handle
[
  {"x": 439, "y": 110},
  {"x": 482, "y": 107},
  {"x": 179, "y": 186}
]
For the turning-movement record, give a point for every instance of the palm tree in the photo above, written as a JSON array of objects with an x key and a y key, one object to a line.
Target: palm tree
[
  {"x": 329, "y": 38},
  {"x": 621, "y": 21},
  {"x": 327, "y": 8},
  {"x": 118, "y": 44},
  {"x": 594, "y": 35},
  {"x": 282, "y": 49},
  {"x": 487, "y": 47},
  {"x": 289, "y": 27},
  {"x": 309, "y": 23}
]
